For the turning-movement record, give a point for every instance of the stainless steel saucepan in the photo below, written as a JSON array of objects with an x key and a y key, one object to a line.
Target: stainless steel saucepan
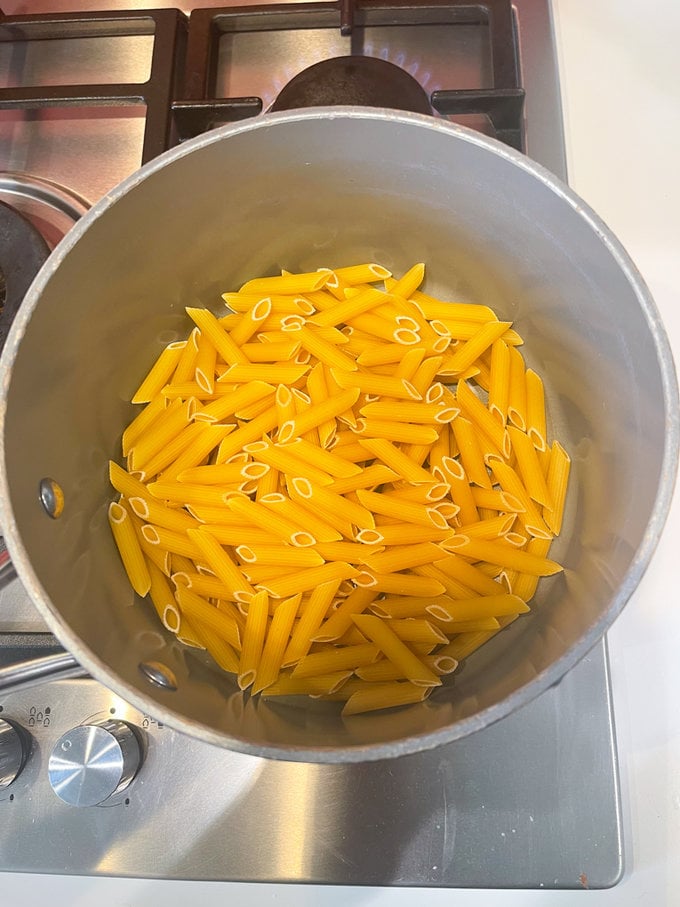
[{"x": 300, "y": 190}]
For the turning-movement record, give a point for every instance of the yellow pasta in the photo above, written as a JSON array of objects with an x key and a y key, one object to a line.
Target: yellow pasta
[
  {"x": 160, "y": 373},
  {"x": 128, "y": 546},
  {"x": 305, "y": 453},
  {"x": 557, "y": 480},
  {"x": 253, "y": 639}
]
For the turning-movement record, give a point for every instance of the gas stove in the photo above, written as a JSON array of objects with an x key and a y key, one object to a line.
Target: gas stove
[{"x": 532, "y": 801}]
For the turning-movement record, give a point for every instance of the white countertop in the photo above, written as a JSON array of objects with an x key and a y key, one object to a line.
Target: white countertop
[{"x": 620, "y": 75}]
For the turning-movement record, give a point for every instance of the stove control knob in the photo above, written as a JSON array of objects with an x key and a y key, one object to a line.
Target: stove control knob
[
  {"x": 92, "y": 762},
  {"x": 13, "y": 753}
]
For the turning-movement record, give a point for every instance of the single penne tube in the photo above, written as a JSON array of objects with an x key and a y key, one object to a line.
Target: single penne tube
[
  {"x": 271, "y": 373},
  {"x": 221, "y": 564},
  {"x": 351, "y": 552},
  {"x": 510, "y": 482},
  {"x": 307, "y": 579},
  {"x": 189, "y": 449},
  {"x": 408, "y": 283},
  {"x": 430, "y": 492},
  {"x": 364, "y": 273},
  {"x": 152, "y": 511},
  {"x": 529, "y": 467},
  {"x": 479, "y": 607},
  {"x": 163, "y": 598},
  {"x": 385, "y": 328},
  {"x": 329, "y": 353},
  {"x": 452, "y": 627},
  {"x": 460, "y": 489},
  {"x": 378, "y": 696},
  {"x": 250, "y": 322},
  {"x": 340, "y": 621},
  {"x": 403, "y": 557},
  {"x": 318, "y": 392},
  {"x": 260, "y": 515},
  {"x": 401, "y": 607},
  {"x": 142, "y": 422},
  {"x": 246, "y": 434},
  {"x": 271, "y": 352},
  {"x": 329, "y": 502},
  {"x": 253, "y": 639},
  {"x": 464, "y": 644},
  {"x": 426, "y": 372},
  {"x": 465, "y": 311},
  {"x": 499, "y": 381},
  {"x": 182, "y": 442},
  {"x": 399, "y": 583},
  {"x": 185, "y": 367},
  {"x": 284, "y": 458},
  {"x": 471, "y": 350},
  {"x": 502, "y": 555},
  {"x": 325, "y": 460},
  {"x": 221, "y": 340},
  {"x": 471, "y": 455},
  {"x": 204, "y": 364},
  {"x": 327, "y": 684},
  {"x": 467, "y": 575},
  {"x": 383, "y": 670},
  {"x": 239, "y": 535},
  {"x": 417, "y": 630},
  {"x": 369, "y": 477},
  {"x": 412, "y": 412},
  {"x": 524, "y": 584},
  {"x": 276, "y": 642},
  {"x": 380, "y": 385},
  {"x": 535, "y": 410},
  {"x": 517, "y": 391},
  {"x": 184, "y": 493},
  {"x": 279, "y": 555},
  {"x": 223, "y": 474},
  {"x": 313, "y": 417},
  {"x": 201, "y": 584},
  {"x": 160, "y": 373},
  {"x": 377, "y": 354},
  {"x": 195, "y": 607},
  {"x": 496, "y": 499},
  {"x": 402, "y": 510},
  {"x": 168, "y": 540},
  {"x": 335, "y": 659},
  {"x": 474, "y": 410},
  {"x": 395, "y": 459},
  {"x": 557, "y": 481},
  {"x": 131, "y": 554},
  {"x": 401, "y": 432},
  {"x": 287, "y": 284},
  {"x": 188, "y": 389},
  {"x": 305, "y": 520},
  {"x": 491, "y": 528},
  {"x": 222, "y": 653},
  {"x": 226, "y": 405},
  {"x": 129, "y": 486},
  {"x": 312, "y": 614},
  {"x": 175, "y": 418},
  {"x": 405, "y": 534},
  {"x": 281, "y": 304},
  {"x": 396, "y": 651}
]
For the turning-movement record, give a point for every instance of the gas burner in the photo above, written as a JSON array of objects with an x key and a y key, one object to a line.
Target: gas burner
[
  {"x": 362, "y": 81},
  {"x": 23, "y": 251}
]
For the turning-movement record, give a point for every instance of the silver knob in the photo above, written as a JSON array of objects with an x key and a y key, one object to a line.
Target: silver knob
[
  {"x": 92, "y": 762},
  {"x": 12, "y": 753}
]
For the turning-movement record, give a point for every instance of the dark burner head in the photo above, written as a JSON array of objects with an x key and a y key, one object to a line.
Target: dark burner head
[
  {"x": 23, "y": 252},
  {"x": 357, "y": 81}
]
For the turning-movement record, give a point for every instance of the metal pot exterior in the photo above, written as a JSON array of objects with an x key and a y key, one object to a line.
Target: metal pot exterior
[{"x": 301, "y": 190}]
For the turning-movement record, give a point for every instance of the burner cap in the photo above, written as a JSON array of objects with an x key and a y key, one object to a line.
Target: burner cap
[
  {"x": 361, "y": 81},
  {"x": 23, "y": 252}
]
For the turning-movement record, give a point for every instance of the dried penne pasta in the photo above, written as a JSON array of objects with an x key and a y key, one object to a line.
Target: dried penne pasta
[{"x": 331, "y": 513}]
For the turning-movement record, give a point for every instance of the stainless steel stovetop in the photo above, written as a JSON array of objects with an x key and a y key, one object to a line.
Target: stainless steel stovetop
[{"x": 532, "y": 801}]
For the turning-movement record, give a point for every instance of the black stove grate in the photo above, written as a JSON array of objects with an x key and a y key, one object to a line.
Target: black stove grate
[
  {"x": 168, "y": 27},
  {"x": 503, "y": 103}
]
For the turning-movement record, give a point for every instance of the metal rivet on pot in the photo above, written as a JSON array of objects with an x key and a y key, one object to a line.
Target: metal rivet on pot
[
  {"x": 158, "y": 674},
  {"x": 51, "y": 497}
]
